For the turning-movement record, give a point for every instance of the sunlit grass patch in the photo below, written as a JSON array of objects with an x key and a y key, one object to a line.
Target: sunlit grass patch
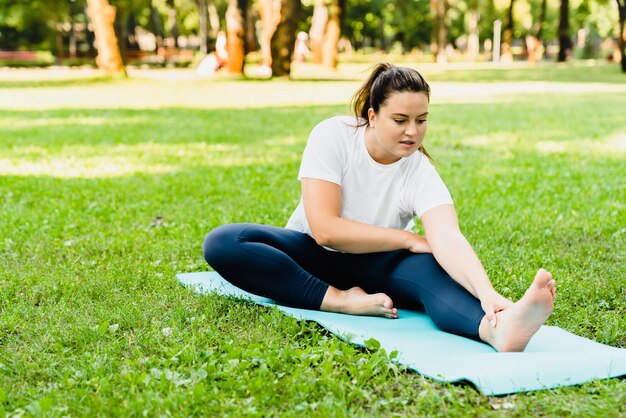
[
  {"x": 43, "y": 121},
  {"x": 80, "y": 167},
  {"x": 122, "y": 160},
  {"x": 610, "y": 146}
]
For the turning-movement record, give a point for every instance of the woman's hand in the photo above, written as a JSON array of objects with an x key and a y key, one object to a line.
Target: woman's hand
[
  {"x": 417, "y": 244},
  {"x": 493, "y": 302}
]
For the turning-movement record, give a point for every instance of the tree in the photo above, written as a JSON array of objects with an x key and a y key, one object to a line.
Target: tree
[
  {"x": 203, "y": 9},
  {"x": 284, "y": 37},
  {"x": 472, "y": 36},
  {"x": 235, "y": 34},
  {"x": 172, "y": 22},
  {"x": 507, "y": 38},
  {"x": 565, "y": 43},
  {"x": 333, "y": 31},
  {"x": 269, "y": 13},
  {"x": 535, "y": 52},
  {"x": 621, "y": 36},
  {"x": 102, "y": 16},
  {"x": 440, "y": 31},
  {"x": 318, "y": 27}
]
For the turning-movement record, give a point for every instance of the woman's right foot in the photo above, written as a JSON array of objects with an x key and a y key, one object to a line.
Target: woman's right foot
[
  {"x": 518, "y": 323},
  {"x": 355, "y": 301}
]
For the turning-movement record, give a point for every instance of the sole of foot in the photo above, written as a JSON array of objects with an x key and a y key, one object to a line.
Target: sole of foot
[{"x": 356, "y": 301}]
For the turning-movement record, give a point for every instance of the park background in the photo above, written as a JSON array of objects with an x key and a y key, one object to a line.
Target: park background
[
  {"x": 111, "y": 176},
  {"x": 156, "y": 33}
]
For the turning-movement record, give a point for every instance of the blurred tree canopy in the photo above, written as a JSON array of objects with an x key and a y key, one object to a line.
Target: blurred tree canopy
[{"x": 62, "y": 26}]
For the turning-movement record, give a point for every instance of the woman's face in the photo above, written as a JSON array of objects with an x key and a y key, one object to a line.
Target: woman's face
[{"x": 399, "y": 127}]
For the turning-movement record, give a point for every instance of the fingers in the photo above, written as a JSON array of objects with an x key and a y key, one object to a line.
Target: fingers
[{"x": 491, "y": 317}]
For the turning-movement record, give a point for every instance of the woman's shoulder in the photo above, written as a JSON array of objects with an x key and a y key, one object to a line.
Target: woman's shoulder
[
  {"x": 339, "y": 127},
  {"x": 340, "y": 122}
]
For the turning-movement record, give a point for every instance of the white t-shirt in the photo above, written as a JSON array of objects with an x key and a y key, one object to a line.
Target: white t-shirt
[{"x": 386, "y": 195}]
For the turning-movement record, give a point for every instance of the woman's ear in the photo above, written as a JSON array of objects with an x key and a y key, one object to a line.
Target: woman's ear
[{"x": 371, "y": 116}]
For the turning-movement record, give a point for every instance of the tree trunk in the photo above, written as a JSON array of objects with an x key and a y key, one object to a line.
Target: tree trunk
[
  {"x": 235, "y": 35},
  {"x": 250, "y": 36},
  {"x": 72, "y": 42},
  {"x": 318, "y": 27},
  {"x": 121, "y": 29},
  {"x": 284, "y": 37},
  {"x": 172, "y": 25},
  {"x": 202, "y": 7},
  {"x": 269, "y": 10},
  {"x": 472, "y": 38},
  {"x": 564, "y": 41},
  {"x": 330, "y": 52},
  {"x": 506, "y": 55},
  {"x": 156, "y": 26},
  {"x": 102, "y": 16},
  {"x": 621, "y": 37},
  {"x": 440, "y": 33},
  {"x": 58, "y": 45},
  {"x": 214, "y": 21},
  {"x": 537, "y": 53}
]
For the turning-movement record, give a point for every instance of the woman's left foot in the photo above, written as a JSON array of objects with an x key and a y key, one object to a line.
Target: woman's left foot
[{"x": 518, "y": 323}]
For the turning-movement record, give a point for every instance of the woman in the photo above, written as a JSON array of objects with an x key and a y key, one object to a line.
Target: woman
[{"x": 348, "y": 247}]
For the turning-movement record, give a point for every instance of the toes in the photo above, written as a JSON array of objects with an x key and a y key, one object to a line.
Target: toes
[
  {"x": 542, "y": 278},
  {"x": 392, "y": 314},
  {"x": 543, "y": 273},
  {"x": 389, "y": 312}
]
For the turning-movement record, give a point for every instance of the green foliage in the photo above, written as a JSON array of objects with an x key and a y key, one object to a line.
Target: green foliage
[
  {"x": 99, "y": 208},
  {"x": 368, "y": 24},
  {"x": 380, "y": 23},
  {"x": 28, "y": 24}
]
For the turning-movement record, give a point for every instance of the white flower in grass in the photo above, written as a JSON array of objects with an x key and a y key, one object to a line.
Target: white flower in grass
[{"x": 167, "y": 331}]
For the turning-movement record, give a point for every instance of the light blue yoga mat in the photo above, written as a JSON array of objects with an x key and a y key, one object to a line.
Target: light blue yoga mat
[{"x": 553, "y": 357}]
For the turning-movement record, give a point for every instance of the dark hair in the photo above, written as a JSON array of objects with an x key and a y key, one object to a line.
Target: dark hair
[{"x": 385, "y": 79}]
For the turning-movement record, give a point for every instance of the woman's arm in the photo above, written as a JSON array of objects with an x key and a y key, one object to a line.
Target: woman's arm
[
  {"x": 454, "y": 253},
  {"x": 322, "y": 205}
]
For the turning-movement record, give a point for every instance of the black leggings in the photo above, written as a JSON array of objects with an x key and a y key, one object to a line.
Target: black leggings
[{"x": 292, "y": 269}]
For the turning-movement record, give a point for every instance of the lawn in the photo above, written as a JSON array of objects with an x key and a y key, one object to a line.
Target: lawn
[{"x": 100, "y": 207}]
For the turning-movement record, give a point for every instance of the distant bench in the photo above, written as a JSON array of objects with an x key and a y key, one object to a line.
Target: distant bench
[{"x": 18, "y": 55}]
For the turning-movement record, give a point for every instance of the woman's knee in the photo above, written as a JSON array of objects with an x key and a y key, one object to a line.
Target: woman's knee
[
  {"x": 219, "y": 243},
  {"x": 427, "y": 266}
]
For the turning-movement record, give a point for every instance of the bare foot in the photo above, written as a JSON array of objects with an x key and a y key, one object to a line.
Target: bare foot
[
  {"x": 518, "y": 323},
  {"x": 355, "y": 301}
]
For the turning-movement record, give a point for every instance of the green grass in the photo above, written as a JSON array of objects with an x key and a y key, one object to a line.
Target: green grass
[
  {"x": 87, "y": 287},
  {"x": 590, "y": 71},
  {"x": 63, "y": 82}
]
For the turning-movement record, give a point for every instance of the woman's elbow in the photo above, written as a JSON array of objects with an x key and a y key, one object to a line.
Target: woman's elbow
[
  {"x": 322, "y": 238},
  {"x": 323, "y": 233}
]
